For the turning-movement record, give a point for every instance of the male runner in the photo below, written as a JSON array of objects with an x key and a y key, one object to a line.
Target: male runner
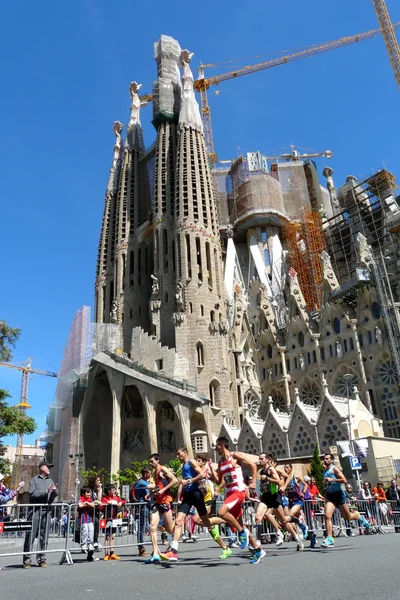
[
  {"x": 229, "y": 473},
  {"x": 207, "y": 488},
  {"x": 336, "y": 498},
  {"x": 271, "y": 498},
  {"x": 192, "y": 474},
  {"x": 164, "y": 480}
]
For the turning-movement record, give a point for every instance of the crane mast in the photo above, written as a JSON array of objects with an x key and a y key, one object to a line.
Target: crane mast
[
  {"x": 23, "y": 404},
  {"x": 387, "y": 28}
]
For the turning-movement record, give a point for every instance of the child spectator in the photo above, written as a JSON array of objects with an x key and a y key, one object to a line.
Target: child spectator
[
  {"x": 111, "y": 503},
  {"x": 86, "y": 513}
]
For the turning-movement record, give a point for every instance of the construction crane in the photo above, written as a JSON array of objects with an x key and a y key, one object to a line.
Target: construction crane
[
  {"x": 202, "y": 84},
  {"x": 295, "y": 155},
  {"x": 27, "y": 372},
  {"x": 387, "y": 28}
]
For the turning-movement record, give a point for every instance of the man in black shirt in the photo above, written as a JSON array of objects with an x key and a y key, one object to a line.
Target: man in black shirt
[{"x": 42, "y": 491}]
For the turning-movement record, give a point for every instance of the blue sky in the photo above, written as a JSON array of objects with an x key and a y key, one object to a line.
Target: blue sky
[{"x": 65, "y": 80}]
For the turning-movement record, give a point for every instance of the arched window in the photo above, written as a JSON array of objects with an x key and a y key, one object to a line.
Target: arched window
[
  {"x": 215, "y": 393},
  {"x": 212, "y": 316},
  {"x": 200, "y": 354},
  {"x": 201, "y": 310}
]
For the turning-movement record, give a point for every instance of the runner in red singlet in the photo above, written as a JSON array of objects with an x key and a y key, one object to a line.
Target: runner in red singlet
[
  {"x": 230, "y": 475},
  {"x": 164, "y": 479}
]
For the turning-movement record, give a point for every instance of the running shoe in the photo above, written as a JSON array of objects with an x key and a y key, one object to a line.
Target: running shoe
[
  {"x": 304, "y": 529},
  {"x": 243, "y": 539},
  {"x": 328, "y": 543},
  {"x": 170, "y": 556},
  {"x": 215, "y": 533},
  {"x": 225, "y": 553},
  {"x": 233, "y": 545},
  {"x": 279, "y": 538},
  {"x": 365, "y": 523},
  {"x": 300, "y": 545},
  {"x": 257, "y": 556},
  {"x": 154, "y": 559}
]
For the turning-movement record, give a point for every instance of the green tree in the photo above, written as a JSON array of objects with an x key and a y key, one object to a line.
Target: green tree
[
  {"x": 102, "y": 473},
  {"x": 8, "y": 339},
  {"x": 12, "y": 420},
  {"x": 317, "y": 470}
]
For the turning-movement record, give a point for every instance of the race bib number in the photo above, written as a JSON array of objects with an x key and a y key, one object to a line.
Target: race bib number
[{"x": 228, "y": 478}]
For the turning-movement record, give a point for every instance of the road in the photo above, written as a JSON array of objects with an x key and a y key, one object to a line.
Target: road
[{"x": 357, "y": 568}]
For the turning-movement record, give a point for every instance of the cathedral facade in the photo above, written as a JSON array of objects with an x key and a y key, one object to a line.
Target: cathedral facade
[{"x": 254, "y": 300}]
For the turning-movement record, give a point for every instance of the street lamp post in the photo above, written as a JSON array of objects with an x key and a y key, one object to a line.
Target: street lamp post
[
  {"x": 348, "y": 378},
  {"x": 76, "y": 460}
]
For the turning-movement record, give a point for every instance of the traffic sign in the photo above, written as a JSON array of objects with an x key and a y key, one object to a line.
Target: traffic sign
[{"x": 355, "y": 463}]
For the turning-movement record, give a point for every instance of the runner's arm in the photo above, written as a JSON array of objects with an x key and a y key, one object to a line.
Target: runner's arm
[
  {"x": 171, "y": 477},
  {"x": 340, "y": 478},
  {"x": 199, "y": 471},
  {"x": 242, "y": 458},
  {"x": 275, "y": 476}
]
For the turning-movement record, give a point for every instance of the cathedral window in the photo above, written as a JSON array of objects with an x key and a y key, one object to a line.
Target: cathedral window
[
  {"x": 215, "y": 393},
  {"x": 200, "y": 354},
  {"x": 188, "y": 258},
  {"x": 209, "y": 270},
  {"x": 212, "y": 316},
  {"x": 198, "y": 258},
  {"x": 165, "y": 249},
  {"x": 201, "y": 310}
]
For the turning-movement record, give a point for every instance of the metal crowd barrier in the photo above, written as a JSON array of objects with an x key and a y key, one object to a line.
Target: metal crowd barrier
[{"x": 27, "y": 529}]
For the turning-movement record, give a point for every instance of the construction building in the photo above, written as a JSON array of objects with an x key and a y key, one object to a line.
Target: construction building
[{"x": 255, "y": 299}]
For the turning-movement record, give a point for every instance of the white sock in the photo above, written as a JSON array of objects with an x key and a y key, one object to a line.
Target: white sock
[{"x": 174, "y": 545}]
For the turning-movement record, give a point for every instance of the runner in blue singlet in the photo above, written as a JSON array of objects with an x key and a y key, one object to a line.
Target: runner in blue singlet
[{"x": 335, "y": 498}]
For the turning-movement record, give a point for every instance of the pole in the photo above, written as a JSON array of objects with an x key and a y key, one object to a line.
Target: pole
[{"x": 348, "y": 378}]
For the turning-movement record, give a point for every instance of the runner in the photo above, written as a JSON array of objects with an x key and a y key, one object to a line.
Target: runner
[
  {"x": 271, "y": 498},
  {"x": 295, "y": 495},
  {"x": 207, "y": 488},
  {"x": 164, "y": 480},
  {"x": 336, "y": 498},
  {"x": 192, "y": 474},
  {"x": 230, "y": 472}
]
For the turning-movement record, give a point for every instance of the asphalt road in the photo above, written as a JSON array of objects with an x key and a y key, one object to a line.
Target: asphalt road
[{"x": 357, "y": 568}]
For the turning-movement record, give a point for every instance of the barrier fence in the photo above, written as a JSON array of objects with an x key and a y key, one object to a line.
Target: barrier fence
[{"x": 64, "y": 529}]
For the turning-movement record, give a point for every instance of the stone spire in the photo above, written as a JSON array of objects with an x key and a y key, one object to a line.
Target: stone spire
[
  {"x": 112, "y": 179},
  {"x": 134, "y": 136},
  {"x": 104, "y": 250},
  {"x": 190, "y": 113}
]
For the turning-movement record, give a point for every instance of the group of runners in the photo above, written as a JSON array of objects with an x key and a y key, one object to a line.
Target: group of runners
[{"x": 196, "y": 491}]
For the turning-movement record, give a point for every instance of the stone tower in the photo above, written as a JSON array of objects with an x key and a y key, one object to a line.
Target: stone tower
[
  {"x": 116, "y": 256},
  {"x": 200, "y": 309}
]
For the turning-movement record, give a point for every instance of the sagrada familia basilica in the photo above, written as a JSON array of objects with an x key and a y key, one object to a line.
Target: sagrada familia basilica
[{"x": 253, "y": 299}]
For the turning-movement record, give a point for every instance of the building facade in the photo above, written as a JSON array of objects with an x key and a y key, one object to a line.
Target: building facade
[{"x": 256, "y": 299}]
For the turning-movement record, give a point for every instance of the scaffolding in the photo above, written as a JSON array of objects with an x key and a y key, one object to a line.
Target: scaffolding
[
  {"x": 305, "y": 241},
  {"x": 369, "y": 208}
]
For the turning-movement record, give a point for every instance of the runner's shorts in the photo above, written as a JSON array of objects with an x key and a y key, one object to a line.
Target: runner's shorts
[
  {"x": 271, "y": 500},
  {"x": 337, "y": 498},
  {"x": 234, "y": 502},
  {"x": 193, "y": 498}
]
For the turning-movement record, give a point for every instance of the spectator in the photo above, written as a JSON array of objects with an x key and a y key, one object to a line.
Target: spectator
[
  {"x": 141, "y": 495},
  {"x": 393, "y": 492},
  {"x": 111, "y": 504},
  {"x": 42, "y": 492},
  {"x": 379, "y": 495},
  {"x": 96, "y": 493},
  {"x": 6, "y": 495},
  {"x": 365, "y": 492},
  {"x": 86, "y": 508}
]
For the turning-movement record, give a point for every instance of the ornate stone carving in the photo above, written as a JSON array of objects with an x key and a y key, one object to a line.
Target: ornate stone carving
[
  {"x": 155, "y": 288},
  {"x": 378, "y": 336},
  {"x": 134, "y": 440},
  {"x": 135, "y": 104},
  {"x": 114, "y": 313},
  {"x": 363, "y": 251}
]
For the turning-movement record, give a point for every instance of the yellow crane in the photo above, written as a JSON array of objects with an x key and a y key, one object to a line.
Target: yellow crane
[
  {"x": 203, "y": 83},
  {"x": 387, "y": 28},
  {"x": 23, "y": 405}
]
